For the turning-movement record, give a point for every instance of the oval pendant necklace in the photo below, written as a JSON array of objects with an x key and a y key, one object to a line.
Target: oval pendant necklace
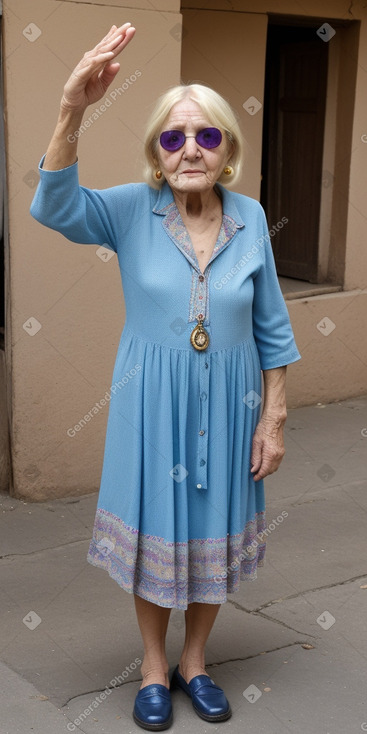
[{"x": 199, "y": 336}]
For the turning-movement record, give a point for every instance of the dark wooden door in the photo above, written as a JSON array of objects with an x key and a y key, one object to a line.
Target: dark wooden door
[{"x": 294, "y": 115}]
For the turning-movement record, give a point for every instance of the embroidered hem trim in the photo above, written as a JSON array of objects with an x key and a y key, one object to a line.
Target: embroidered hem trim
[{"x": 176, "y": 574}]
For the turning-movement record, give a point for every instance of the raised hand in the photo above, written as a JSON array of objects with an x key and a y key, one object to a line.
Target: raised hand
[{"x": 96, "y": 70}]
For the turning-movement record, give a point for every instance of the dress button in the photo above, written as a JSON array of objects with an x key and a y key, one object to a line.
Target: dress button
[
  {"x": 198, "y": 486},
  {"x": 201, "y": 278},
  {"x": 201, "y": 433},
  {"x": 206, "y": 365},
  {"x": 202, "y": 462},
  {"x": 203, "y": 395}
]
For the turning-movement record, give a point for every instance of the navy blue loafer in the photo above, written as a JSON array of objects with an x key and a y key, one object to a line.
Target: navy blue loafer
[
  {"x": 153, "y": 708},
  {"x": 208, "y": 700}
]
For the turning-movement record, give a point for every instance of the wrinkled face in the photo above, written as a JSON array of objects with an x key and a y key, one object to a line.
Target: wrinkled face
[{"x": 192, "y": 168}]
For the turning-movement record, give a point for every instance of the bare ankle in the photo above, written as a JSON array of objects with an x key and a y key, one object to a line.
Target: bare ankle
[
  {"x": 192, "y": 665},
  {"x": 149, "y": 665},
  {"x": 193, "y": 658},
  {"x": 154, "y": 672}
]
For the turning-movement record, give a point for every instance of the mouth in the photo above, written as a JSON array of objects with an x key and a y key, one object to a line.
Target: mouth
[{"x": 192, "y": 170}]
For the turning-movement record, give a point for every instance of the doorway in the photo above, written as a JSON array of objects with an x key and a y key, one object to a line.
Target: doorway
[{"x": 292, "y": 148}]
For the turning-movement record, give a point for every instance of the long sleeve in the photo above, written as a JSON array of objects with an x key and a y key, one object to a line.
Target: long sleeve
[
  {"x": 271, "y": 324},
  {"x": 82, "y": 215}
]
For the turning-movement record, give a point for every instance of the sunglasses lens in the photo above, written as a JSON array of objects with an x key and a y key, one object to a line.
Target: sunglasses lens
[
  {"x": 172, "y": 139},
  {"x": 210, "y": 137}
]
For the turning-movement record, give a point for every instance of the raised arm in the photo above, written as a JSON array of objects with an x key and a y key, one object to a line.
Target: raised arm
[
  {"x": 87, "y": 216},
  {"x": 86, "y": 85}
]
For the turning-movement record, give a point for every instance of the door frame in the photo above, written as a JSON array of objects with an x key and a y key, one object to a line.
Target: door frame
[{"x": 337, "y": 149}]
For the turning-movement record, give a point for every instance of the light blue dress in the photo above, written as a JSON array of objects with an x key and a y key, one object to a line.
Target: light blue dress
[{"x": 179, "y": 517}]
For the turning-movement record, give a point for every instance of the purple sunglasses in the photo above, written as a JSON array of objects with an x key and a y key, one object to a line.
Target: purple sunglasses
[{"x": 209, "y": 137}]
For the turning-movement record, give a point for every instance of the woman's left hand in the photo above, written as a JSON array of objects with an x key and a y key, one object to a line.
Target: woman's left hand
[{"x": 267, "y": 446}]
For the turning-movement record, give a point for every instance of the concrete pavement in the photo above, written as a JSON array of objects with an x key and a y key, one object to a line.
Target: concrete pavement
[{"x": 290, "y": 649}]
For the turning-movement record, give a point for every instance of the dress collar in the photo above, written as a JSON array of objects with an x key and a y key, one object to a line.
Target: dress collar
[{"x": 165, "y": 200}]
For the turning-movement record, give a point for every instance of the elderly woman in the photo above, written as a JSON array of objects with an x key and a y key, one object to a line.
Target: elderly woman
[{"x": 181, "y": 513}]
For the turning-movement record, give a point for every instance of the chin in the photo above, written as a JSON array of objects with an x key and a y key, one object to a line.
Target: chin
[{"x": 196, "y": 184}]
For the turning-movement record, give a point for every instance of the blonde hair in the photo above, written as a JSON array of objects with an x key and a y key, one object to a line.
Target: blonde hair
[{"x": 217, "y": 110}]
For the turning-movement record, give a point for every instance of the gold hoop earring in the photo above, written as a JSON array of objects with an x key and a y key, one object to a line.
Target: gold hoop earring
[
  {"x": 158, "y": 175},
  {"x": 228, "y": 170}
]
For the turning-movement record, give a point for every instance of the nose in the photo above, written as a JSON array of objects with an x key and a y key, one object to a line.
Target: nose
[{"x": 191, "y": 148}]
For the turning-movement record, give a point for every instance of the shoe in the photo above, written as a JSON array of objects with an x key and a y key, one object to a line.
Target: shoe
[
  {"x": 208, "y": 700},
  {"x": 153, "y": 708}
]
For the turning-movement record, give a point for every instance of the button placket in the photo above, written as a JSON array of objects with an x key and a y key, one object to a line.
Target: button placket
[
  {"x": 199, "y": 298},
  {"x": 199, "y": 304},
  {"x": 203, "y": 437}
]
